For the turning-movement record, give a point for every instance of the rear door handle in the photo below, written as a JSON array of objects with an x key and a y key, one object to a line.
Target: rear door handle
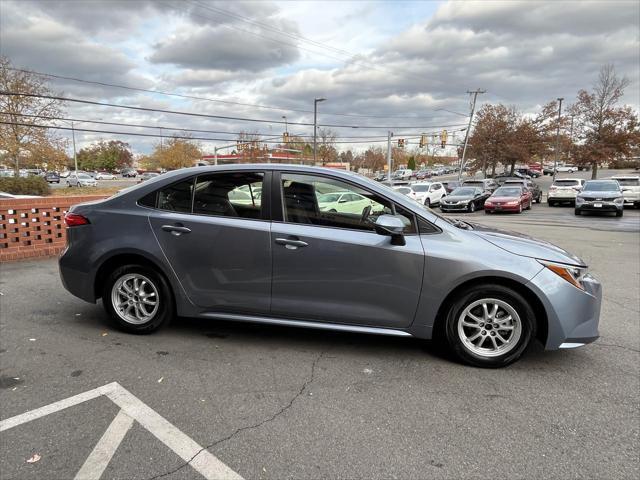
[
  {"x": 290, "y": 243},
  {"x": 176, "y": 229}
]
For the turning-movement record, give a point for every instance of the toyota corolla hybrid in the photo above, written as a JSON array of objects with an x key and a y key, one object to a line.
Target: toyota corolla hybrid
[{"x": 179, "y": 244}]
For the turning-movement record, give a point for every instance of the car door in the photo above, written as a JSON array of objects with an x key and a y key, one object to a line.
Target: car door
[
  {"x": 219, "y": 249},
  {"x": 332, "y": 266}
]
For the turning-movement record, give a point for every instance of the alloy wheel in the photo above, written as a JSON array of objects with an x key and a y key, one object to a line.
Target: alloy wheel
[
  {"x": 134, "y": 298},
  {"x": 489, "y": 327}
]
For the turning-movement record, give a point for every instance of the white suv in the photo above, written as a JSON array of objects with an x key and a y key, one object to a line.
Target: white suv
[
  {"x": 428, "y": 193},
  {"x": 564, "y": 190},
  {"x": 630, "y": 189}
]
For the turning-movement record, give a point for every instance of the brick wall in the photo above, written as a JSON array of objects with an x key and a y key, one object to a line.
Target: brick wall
[{"x": 34, "y": 227}]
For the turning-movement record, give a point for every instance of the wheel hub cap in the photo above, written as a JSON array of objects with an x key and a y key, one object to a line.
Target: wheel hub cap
[{"x": 134, "y": 298}]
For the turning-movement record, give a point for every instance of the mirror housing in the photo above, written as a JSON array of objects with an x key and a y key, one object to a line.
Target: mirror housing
[{"x": 392, "y": 226}]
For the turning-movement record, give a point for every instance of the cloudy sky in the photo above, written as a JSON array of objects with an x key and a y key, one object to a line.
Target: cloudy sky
[{"x": 404, "y": 65}]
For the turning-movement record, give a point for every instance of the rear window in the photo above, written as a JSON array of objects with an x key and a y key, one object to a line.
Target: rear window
[
  {"x": 566, "y": 183},
  {"x": 420, "y": 188},
  {"x": 629, "y": 182}
]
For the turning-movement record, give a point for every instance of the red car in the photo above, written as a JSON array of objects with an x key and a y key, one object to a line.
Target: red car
[{"x": 509, "y": 198}]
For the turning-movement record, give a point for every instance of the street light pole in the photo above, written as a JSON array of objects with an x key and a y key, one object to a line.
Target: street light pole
[
  {"x": 557, "y": 156},
  {"x": 315, "y": 125},
  {"x": 75, "y": 158},
  {"x": 389, "y": 135},
  {"x": 286, "y": 130}
]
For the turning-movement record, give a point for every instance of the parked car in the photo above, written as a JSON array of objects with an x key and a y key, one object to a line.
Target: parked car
[
  {"x": 509, "y": 199},
  {"x": 528, "y": 171},
  {"x": 52, "y": 177},
  {"x": 81, "y": 179},
  {"x": 566, "y": 169},
  {"x": 533, "y": 187},
  {"x": 105, "y": 176},
  {"x": 503, "y": 177},
  {"x": 564, "y": 190},
  {"x": 343, "y": 202},
  {"x": 600, "y": 196},
  {"x": 451, "y": 185},
  {"x": 487, "y": 184},
  {"x": 402, "y": 175},
  {"x": 129, "y": 173},
  {"x": 65, "y": 174},
  {"x": 423, "y": 174},
  {"x": 147, "y": 176},
  {"x": 464, "y": 198},
  {"x": 630, "y": 189},
  {"x": 399, "y": 269},
  {"x": 380, "y": 176},
  {"x": 428, "y": 193},
  {"x": 547, "y": 170}
]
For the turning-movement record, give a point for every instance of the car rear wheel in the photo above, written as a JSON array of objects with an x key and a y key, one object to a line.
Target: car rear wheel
[
  {"x": 427, "y": 202},
  {"x": 137, "y": 299},
  {"x": 489, "y": 326}
]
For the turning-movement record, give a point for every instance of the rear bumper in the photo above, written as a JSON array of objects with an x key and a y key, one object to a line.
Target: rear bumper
[{"x": 573, "y": 315}]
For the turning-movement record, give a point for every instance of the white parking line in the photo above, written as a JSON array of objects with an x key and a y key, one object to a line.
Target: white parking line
[
  {"x": 132, "y": 408},
  {"x": 101, "y": 455}
]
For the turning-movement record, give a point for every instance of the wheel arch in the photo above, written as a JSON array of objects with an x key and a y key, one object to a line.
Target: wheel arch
[{"x": 542, "y": 321}]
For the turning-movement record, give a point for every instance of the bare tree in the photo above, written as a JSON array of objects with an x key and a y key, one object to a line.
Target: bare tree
[
  {"x": 326, "y": 145},
  {"x": 604, "y": 130}
]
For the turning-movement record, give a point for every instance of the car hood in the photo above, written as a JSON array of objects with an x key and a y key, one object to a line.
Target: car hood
[
  {"x": 593, "y": 194},
  {"x": 525, "y": 246}
]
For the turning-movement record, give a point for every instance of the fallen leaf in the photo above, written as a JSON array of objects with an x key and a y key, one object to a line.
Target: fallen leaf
[
  {"x": 104, "y": 334},
  {"x": 34, "y": 459},
  {"x": 14, "y": 389},
  {"x": 160, "y": 379}
]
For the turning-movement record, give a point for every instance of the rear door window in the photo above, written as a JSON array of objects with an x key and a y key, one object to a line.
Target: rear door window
[{"x": 233, "y": 194}]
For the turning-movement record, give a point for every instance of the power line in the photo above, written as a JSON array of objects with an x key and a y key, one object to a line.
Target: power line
[
  {"x": 220, "y": 117},
  {"x": 170, "y": 128}
]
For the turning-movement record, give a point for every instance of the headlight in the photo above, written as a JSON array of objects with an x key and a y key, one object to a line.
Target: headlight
[
  {"x": 571, "y": 273},
  {"x": 579, "y": 200},
  {"x": 618, "y": 200}
]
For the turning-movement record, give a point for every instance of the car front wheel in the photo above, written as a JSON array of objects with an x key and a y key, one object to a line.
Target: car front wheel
[
  {"x": 472, "y": 207},
  {"x": 137, "y": 299},
  {"x": 489, "y": 326}
]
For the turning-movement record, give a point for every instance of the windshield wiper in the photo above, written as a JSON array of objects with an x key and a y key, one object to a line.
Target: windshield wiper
[{"x": 461, "y": 224}]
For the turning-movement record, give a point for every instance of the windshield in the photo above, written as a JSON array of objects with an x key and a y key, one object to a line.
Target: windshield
[
  {"x": 329, "y": 197},
  {"x": 629, "y": 182},
  {"x": 508, "y": 192},
  {"x": 566, "y": 183},
  {"x": 84, "y": 176},
  {"x": 420, "y": 188},
  {"x": 404, "y": 190},
  {"x": 464, "y": 191},
  {"x": 601, "y": 186}
]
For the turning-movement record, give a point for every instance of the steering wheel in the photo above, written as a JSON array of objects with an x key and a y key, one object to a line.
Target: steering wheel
[{"x": 365, "y": 213}]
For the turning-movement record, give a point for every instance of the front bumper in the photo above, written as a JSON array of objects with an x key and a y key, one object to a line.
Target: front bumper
[
  {"x": 602, "y": 206},
  {"x": 573, "y": 315},
  {"x": 454, "y": 208},
  {"x": 502, "y": 208}
]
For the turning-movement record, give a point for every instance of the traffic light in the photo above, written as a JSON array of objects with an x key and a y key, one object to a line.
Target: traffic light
[
  {"x": 401, "y": 143},
  {"x": 423, "y": 141},
  {"x": 443, "y": 139}
]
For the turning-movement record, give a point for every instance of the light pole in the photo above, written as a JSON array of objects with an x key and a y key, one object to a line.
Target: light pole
[
  {"x": 466, "y": 136},
  {"x": 286, "y": 130},
  {"x": 315, "y": 125},
  {"x": 555, "y": 163},
  {"x": 73, "y": 136}
]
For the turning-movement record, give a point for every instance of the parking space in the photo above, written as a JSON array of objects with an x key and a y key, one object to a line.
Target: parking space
[{"x": 270, "y": 402}]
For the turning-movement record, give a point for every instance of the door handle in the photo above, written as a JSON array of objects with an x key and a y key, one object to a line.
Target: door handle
[
  {"x": 176, "y": 229},
  {"x": 290, "y": 243}
]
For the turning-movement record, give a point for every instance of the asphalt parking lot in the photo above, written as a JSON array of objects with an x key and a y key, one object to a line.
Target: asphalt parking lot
[{"x": 269, "y": 402}]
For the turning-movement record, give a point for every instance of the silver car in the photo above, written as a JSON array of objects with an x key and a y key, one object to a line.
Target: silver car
[{"x": 181, "y": 244}]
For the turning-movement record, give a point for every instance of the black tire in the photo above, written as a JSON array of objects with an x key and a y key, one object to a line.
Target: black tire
[
  {"x": 551, "y": 203},
  {"x": 619, "y": 213},
  {"x": 539, "y": 199},
  {"x": 165, "y": 303},
  {"x": 577, "y": 212},
  {"x": 487, "y": 212},
  {"x": 427, "y": 203},
  {"x": 495, "y": 292}
]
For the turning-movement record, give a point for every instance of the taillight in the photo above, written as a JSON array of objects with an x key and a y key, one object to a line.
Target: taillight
[{"x": 74, "y": 219}]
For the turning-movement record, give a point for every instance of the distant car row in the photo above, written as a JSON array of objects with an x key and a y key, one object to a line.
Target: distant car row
[{"x": 567, "y": 190}]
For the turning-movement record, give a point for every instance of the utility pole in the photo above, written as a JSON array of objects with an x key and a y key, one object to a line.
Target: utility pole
[
  {"x": 215, "y": 155},
  {"x": 286, "y": 130},
  {"x": 555, "y": 163},
  {"x": 315, "y": 125},
  {"x": 389, "y": 135},
  {"x": 73, "y": 135},
  {"x": 466, "y": 135},
  {"x": 571, "y": 137},
  {"x": 161, "y": 144}
]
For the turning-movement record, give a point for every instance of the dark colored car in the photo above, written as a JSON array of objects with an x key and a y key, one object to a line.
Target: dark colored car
[
  {"x": 503, "y": 177},
  {"x": 423, "y": 174},
  {"x": 52, "y": 177},
  {"x": 147, "y": 176},
  {"x": 487, "y": 184},
  {"x": 464, "y": 199},
  {"x": 451, "y": 185},
  {"x": 129, "y": 173},
  {"x": 600, "y": 196},
  {"x": 509, "y": 199},
  {"x": 196, "y": 242},
  {"x": 528, "y": 171},
  {"x": 535, "y": 189},
  {"x": 380, "y": 177},
  {"x": 547, "y": 170}
]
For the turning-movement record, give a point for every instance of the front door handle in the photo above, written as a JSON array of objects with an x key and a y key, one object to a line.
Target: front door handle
[
  {"x": 291, "y": 243},
  {"x": 176, "y": 230}
]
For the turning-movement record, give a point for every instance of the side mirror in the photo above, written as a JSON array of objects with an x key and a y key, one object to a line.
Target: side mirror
[{"x": 392, "y": 226}]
